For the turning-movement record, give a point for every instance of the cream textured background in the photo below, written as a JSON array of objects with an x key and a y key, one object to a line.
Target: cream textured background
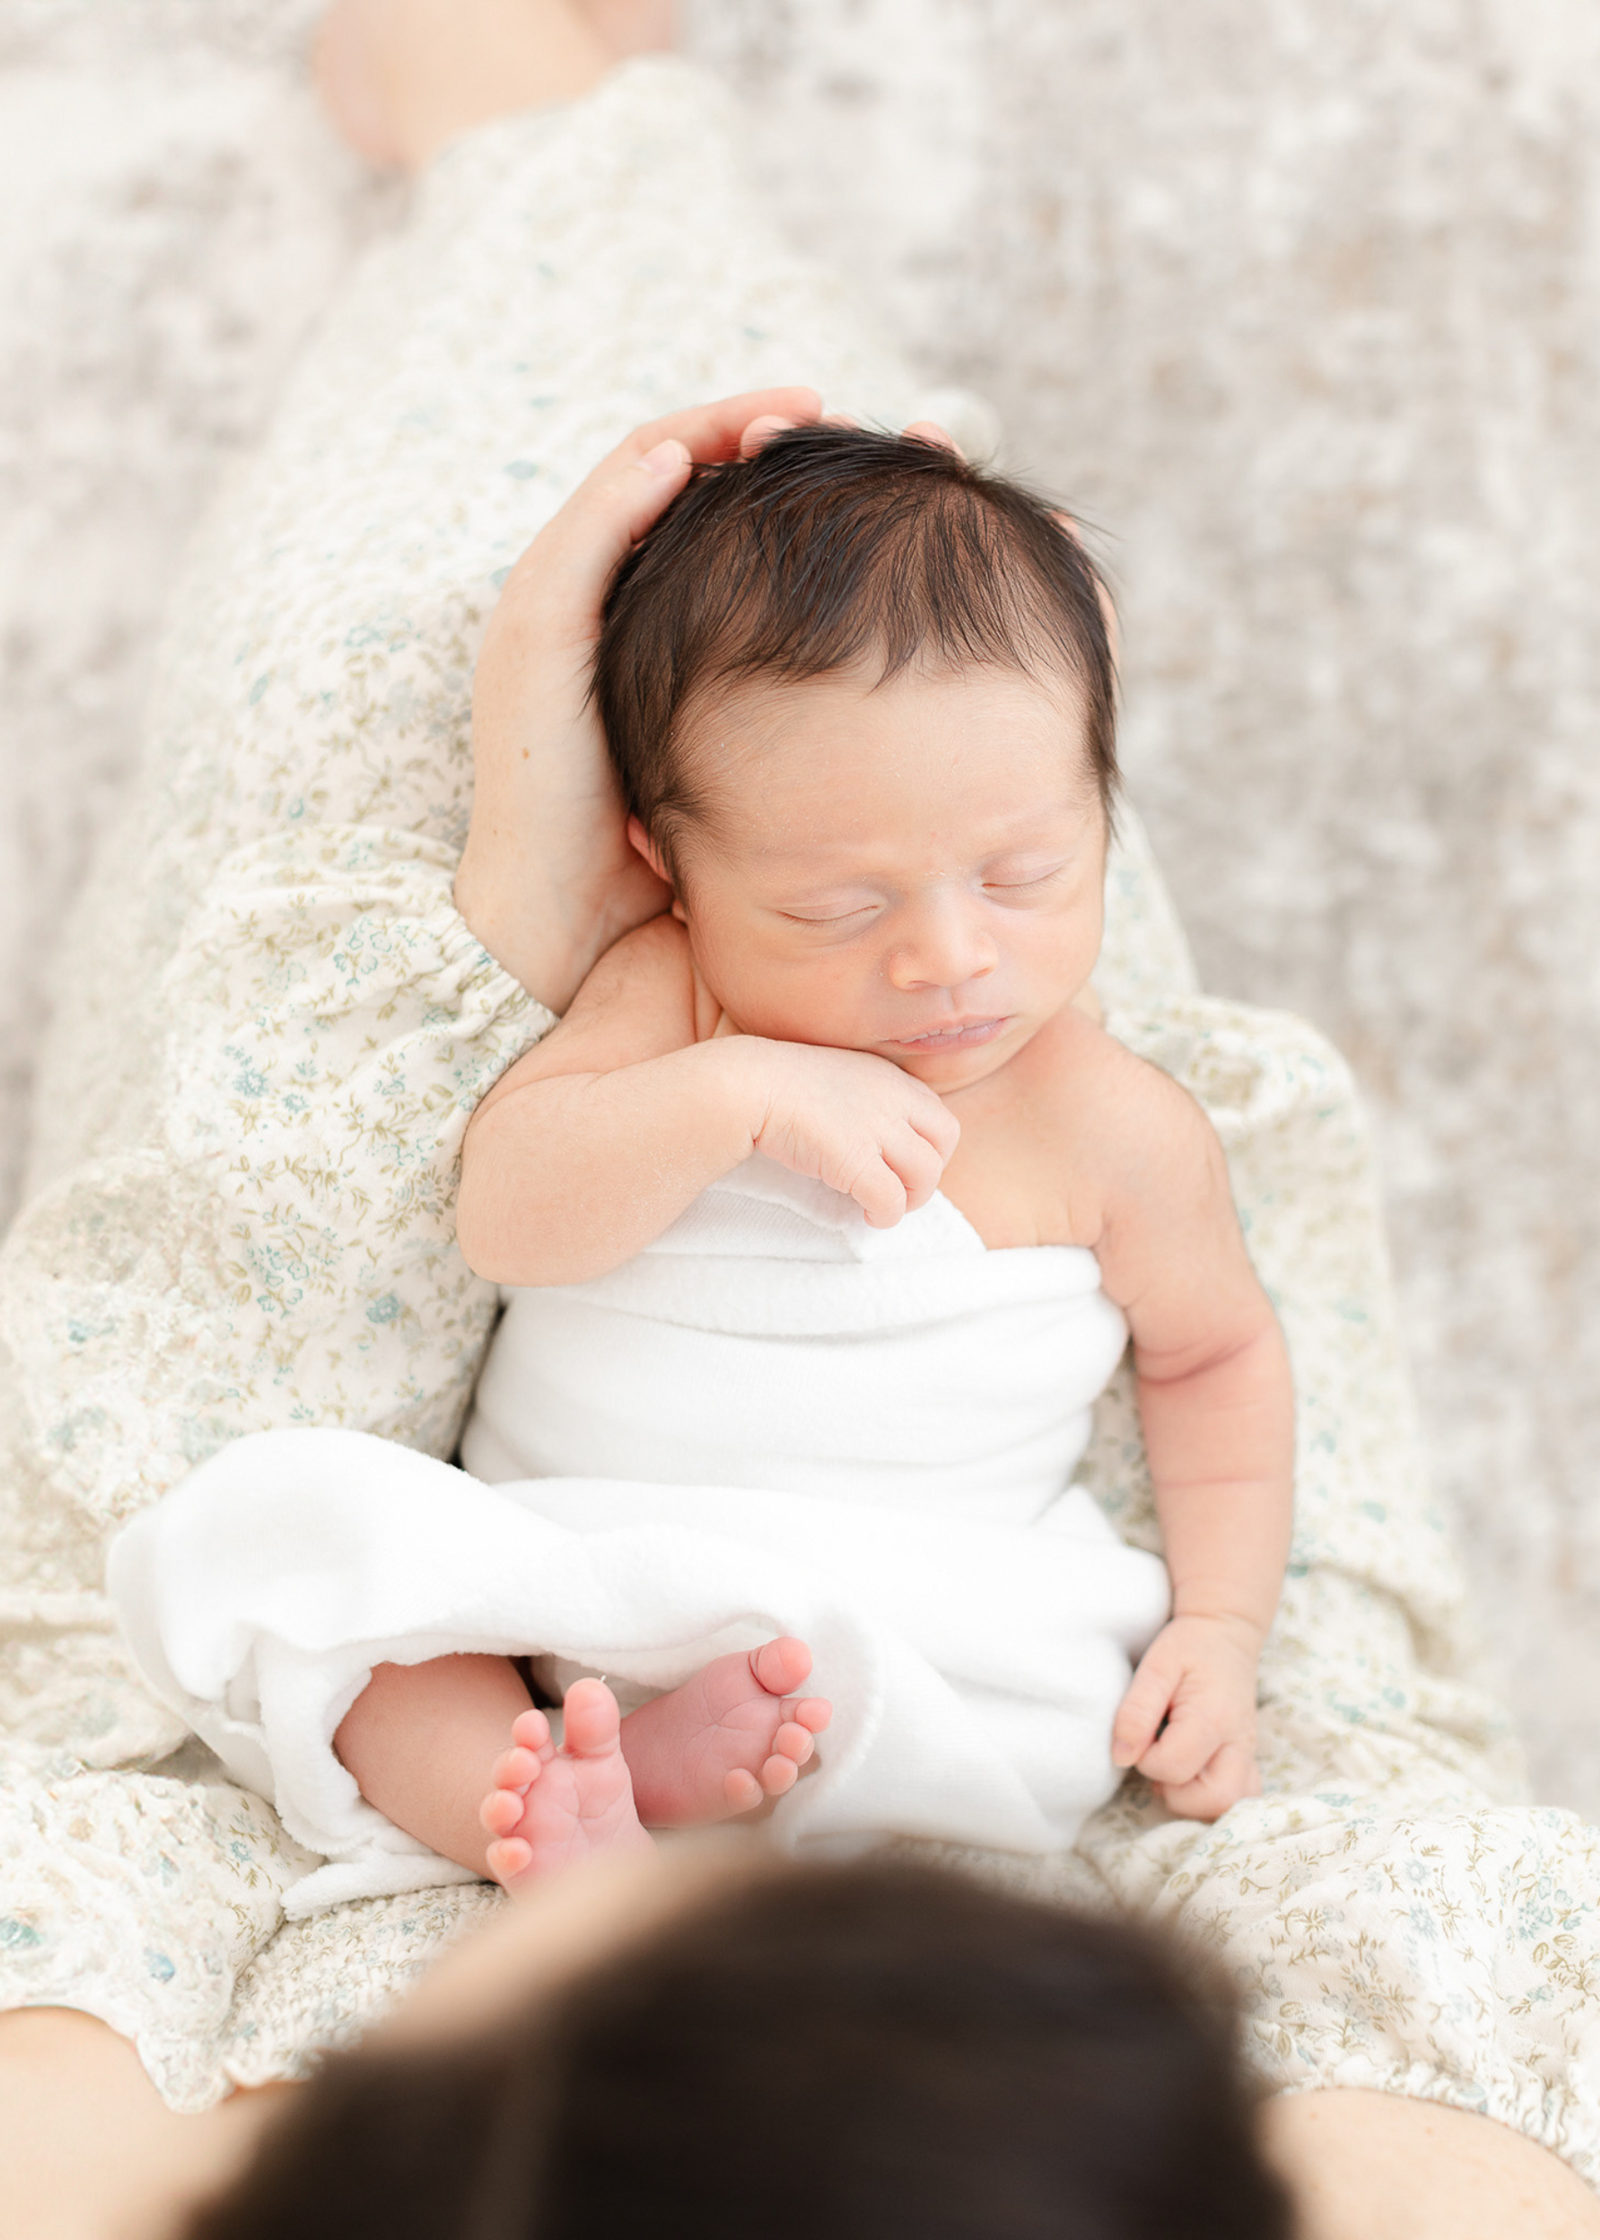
[{"x": 1300, "y": 301}]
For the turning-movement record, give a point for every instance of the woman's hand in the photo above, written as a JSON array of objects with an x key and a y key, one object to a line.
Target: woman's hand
[{"x": 548, "y": 879}]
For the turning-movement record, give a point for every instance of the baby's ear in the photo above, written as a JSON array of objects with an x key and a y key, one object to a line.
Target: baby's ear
[{"x": 643, "y": 845}]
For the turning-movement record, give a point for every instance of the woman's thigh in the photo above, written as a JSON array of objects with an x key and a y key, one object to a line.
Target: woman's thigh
[
  {"x": 89, "y": 2149},
  {"x": 1374, "y": 2166}
]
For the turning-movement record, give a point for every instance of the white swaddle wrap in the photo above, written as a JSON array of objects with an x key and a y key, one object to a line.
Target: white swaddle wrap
[{"x": 774, "y": 1420}]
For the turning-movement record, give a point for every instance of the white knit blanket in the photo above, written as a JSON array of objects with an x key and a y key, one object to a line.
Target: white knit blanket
[{"x": 806, "y": 1426}]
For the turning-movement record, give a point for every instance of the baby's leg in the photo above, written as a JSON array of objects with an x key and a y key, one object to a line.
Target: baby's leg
[{"x": 420, "y": 1740}]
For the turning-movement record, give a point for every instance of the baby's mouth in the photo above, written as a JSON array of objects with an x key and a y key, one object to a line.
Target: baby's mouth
[{"x": 960, "y": 1034}]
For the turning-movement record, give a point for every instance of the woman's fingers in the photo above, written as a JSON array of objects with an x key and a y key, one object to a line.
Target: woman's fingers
[
  {"x": 575, "y": 555},
  {"x": 569, "y": 565},
  {"x": 760, "y": 430},
  {"x": 712, "y": 432},
  {"x": 1108, "y": 611},
  {"x": 929, "y": 431}
]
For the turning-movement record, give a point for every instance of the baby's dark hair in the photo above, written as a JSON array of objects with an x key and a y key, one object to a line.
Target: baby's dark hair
[
  {"x": 832, "y": 547},
  {"x": 847, "y": 2053}
]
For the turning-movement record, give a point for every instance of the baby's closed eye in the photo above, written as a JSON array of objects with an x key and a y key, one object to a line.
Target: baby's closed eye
[
  {"x": 831, "y": 910},
  {"x": 1010, "y": 880}
]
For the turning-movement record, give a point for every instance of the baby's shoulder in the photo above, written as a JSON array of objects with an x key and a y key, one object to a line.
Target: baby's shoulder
[
  {"x": 1114, "y": 1111},
  {"x": 656, "y": 952},
  {"x": 1055, "y": 1144}
]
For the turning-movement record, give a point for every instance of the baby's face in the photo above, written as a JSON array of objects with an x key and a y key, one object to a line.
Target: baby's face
[{"x": 915, "y": 869}]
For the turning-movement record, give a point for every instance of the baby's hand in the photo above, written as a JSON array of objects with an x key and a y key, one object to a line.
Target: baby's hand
[
  {"x": 856, "y": 1122},
  {"x": 1199, "y": 1674}
]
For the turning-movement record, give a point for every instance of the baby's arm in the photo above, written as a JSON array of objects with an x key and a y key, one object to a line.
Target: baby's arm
[
  {"x": 593, "y": 1143},
  {"x": 1217, "y": 1404}
]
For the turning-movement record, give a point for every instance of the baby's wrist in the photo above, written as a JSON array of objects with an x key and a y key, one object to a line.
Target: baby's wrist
[
  {"x": 1238, "y": 1625},
  {"x": 740, "y": 1067}
]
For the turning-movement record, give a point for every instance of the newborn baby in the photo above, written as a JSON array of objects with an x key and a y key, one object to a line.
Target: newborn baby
[
  {"x": 824, "y": 1215},
  {"x": 860, "y": 701}
]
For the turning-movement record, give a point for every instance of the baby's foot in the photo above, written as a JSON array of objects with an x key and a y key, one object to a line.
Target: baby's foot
[
  {"x": 549, "y": 1808},
  {"x": 726, "y": 1740}
]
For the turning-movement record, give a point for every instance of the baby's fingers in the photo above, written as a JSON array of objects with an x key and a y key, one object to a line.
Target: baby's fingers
[
  {"x": 1230, "y": 1774},
  {"x": 880, "y": 1194},
  {"x": 1146, "y": 1703},
  {"x": 1141, "y": 1711},
  {"x": 918, "y": 1163},
  {"x": 1191, "y": 1740},
  {"x": 938, "y": 1127}
]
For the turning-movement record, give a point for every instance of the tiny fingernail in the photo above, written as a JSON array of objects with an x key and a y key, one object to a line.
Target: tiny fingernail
[{"x": 667, "y": 458}]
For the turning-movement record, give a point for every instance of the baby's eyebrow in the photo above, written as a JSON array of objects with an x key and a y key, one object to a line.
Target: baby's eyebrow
[
  {"x": 1041, "y": 829},
  {"x": 806, "y": 897}
]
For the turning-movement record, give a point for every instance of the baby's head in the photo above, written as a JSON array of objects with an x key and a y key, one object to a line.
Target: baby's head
[{"x": 860, "y": 699}]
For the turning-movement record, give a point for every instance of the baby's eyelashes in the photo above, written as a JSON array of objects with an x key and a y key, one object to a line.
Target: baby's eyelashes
[
  {"x": 832, "y": 914},
  {"x": 1020, "y": 880},
  {"x": 849, "y": 910}
]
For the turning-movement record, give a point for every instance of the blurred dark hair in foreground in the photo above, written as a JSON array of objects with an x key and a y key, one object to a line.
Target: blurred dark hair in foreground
[{"x": 823, "y": 2053}]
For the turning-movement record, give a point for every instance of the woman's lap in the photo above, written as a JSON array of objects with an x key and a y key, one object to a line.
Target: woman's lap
[
  {"x": 276, "y": 1026},
  {"x": 274, "y": 1022}
]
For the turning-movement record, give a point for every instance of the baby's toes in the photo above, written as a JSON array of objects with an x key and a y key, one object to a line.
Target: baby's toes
[
  {"x": 810, "y": 1712},
  {"x": 781, "y": 1665},
  {"x": 516, "y": 1769},
  {"x": 742, "y": 1790},
  {"x": 531, "y": 1729},
  {"x": 508, "y": 1860},
  {"x": 500, "y": 1812},
  {"x": 792, "y": 1741},
  {"x": 778, "y": 1775}
]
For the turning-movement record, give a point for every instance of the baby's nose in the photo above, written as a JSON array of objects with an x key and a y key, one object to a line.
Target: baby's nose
[{"x": 945, "y": 948}]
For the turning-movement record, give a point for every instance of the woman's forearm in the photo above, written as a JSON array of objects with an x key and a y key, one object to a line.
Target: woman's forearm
[
  {"x": 546, "y": 923},
  {"x": 573, "y": 1174}
]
